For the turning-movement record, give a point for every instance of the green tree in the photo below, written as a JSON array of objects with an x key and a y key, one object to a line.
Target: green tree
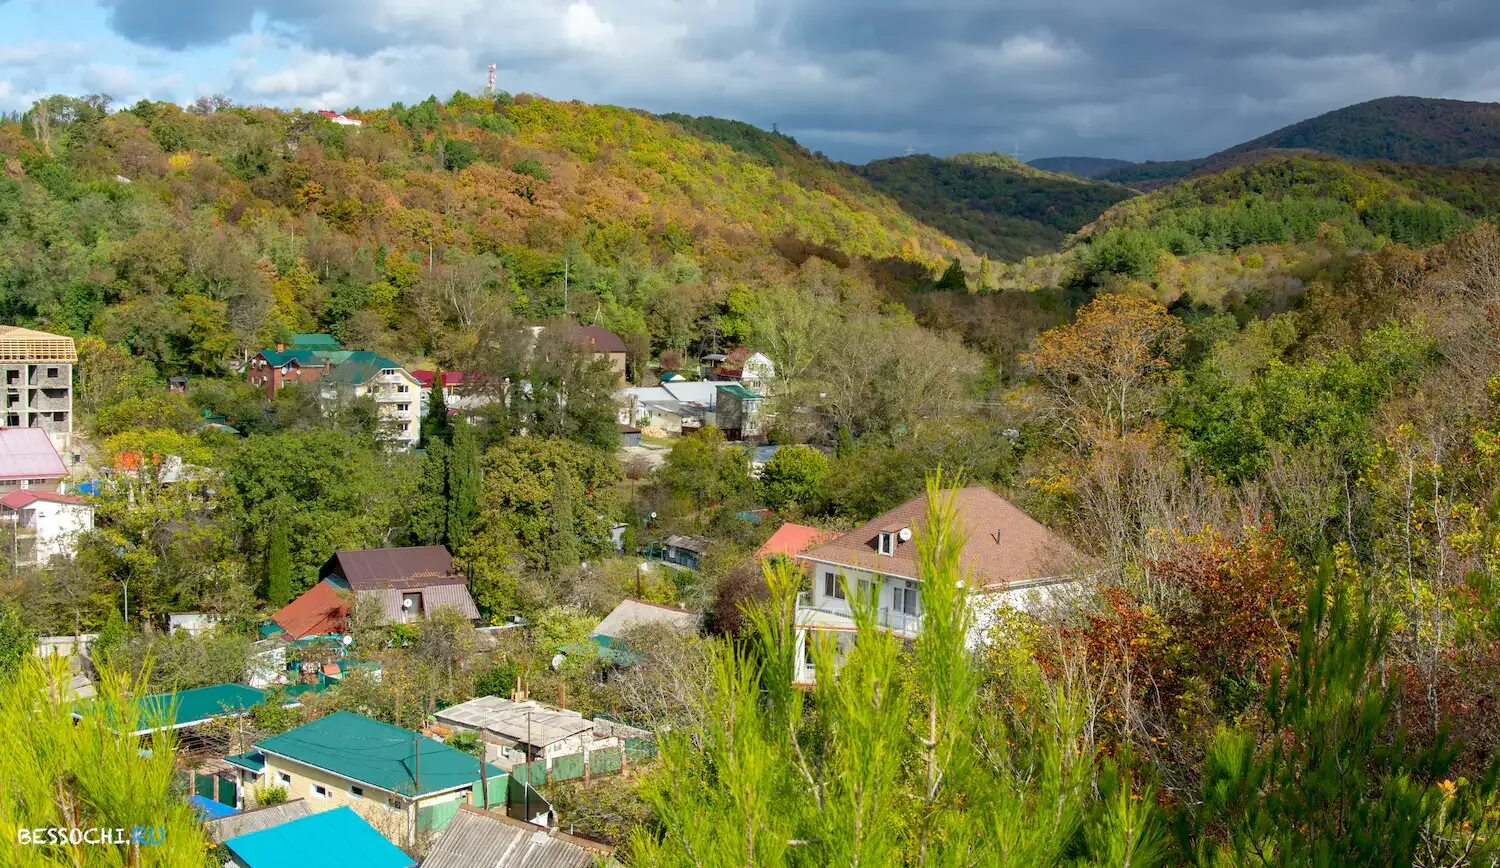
[
  {"x": 90, "y": 773},
  {"x": 517, "y": 516},
  {"x": 793, "y": 476},
  {"x": 706, "y": 468},
  {"x": 279, "y": 567},
  {"x": 953, "y": 278},
  {"x": 16, "y": 640},
  {"x": 428, "y": 518},
  {"x": 435, "y": 424},
  {"x": 562, "y": 546},
  {"x": 464, "y": 485}
]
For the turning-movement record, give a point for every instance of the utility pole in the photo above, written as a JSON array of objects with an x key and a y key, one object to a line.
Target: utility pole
[
  {"x": 526, "y": 785},
  {"x": 416, "y": 744}
]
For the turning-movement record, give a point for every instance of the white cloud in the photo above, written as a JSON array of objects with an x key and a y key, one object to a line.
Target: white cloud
[{"x": 583, "y": 28}]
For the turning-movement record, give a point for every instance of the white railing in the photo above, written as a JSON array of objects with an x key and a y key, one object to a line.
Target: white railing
[{"x": 898, "y": 622}]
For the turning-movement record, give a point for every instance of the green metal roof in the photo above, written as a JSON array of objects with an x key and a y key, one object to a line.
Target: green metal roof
[
  {"x": 740, "y": 392},
  {"x": 338, "y": 839},
  {"x": 305, "y": 358},
  {"x": 314, "y": 341},
  {"x": 255, "y": 762},
  {"x": 606, "y": 649},
  {"x": 187, "y": 707},
  {"x": 367, "y": 751},
  {"x": 357, "y": 366}
]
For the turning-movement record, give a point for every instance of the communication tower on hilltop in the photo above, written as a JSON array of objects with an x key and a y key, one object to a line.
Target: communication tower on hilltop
[{"x": 490, "y": 88}]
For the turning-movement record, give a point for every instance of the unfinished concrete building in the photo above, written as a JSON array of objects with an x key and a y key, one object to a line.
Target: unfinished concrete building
[{"x": 37, "y": 370}]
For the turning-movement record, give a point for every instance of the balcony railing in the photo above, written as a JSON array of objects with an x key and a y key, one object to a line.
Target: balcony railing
[{"x": 901, "y": 623}]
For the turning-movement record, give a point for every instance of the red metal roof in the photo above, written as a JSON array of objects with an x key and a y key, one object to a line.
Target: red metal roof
[
  {"x": 793, "y": 539},
  {"x": 27, "y": 453},
  {"x": 601, "y": 339},
  {"x": 23, "y": 498},
  {"x": 319, "y": 611},
  {"x": 450, "y": 378}
]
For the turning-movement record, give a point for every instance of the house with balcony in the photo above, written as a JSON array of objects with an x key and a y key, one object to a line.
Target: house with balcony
[
  {"x": 404, "y": 585},
  {"x": 43, "y": 524},
  {"x": 1011, "y": 559},
  {"x": 397, "y": 394}
]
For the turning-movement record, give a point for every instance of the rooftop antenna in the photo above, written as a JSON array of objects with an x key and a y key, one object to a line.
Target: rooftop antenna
[
  {"x": 910, "y": 150},
  {"x": 489, "y": 89},
  {"x": 1017, "y": 152}
]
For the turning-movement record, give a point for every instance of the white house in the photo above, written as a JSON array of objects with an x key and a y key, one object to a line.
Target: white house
[
  {"x": 1012, "y": 560},
  {"x": 340, "y": 119},
  {"x": 674, "y": 407},
  {"x": 397, "y": 394},
  {"x": 44, "y": 524}
]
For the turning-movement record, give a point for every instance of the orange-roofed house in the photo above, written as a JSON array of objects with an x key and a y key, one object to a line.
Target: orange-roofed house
[
  {"x": 406, "y": 584},
  {"x": 791, "y": 540},
  {"x": 1010, "y": 558}
]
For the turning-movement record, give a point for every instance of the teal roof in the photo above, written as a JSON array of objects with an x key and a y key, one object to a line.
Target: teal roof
[
  {"x": 188, "y": 707},
  {"x": 357, "y": 366},
  {"x": 367, "y": 751},
  {"x": 606, "y": 649},
  {"x": 337, "y": 839},
  {"x": 255, "y": 762},
  {"x": 314, "y": 341},
  {"x": 305, "y": 358},
  {"x": 740, "y": 392}
]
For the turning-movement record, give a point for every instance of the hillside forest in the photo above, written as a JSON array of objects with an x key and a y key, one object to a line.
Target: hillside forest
[{"x": 1265, "y": 402}]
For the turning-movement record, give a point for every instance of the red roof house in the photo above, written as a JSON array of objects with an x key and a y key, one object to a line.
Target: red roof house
[{"x": 792, "y": 539}]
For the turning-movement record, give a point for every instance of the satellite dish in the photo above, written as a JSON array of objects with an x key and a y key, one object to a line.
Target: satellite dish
[
  {"x": 905, "y": 534},
  {"x": 557, "y": 661},
  {"x": 348, "y": 640},
  {"x": 406, "y": 603}
]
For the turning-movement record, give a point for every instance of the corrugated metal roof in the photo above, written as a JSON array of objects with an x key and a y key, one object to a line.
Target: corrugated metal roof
[
  {"x": 28, "y": 453},
  {"x": 485, "y": 839},
  {"x": 367, "y": 751},
  {"x": 255, "y": 819},
  {"x": 690, "y": 543},
  {"x": 187, "y": 707},
  {"x": 338, "y": 838},
  {"x": 406, "y": 567},
  {"x": 528, "y": 723},
  {"x": 22, "y": 498},
  {"x": 320, "y": 610},
  {"x": 434, "y": 597},
  {"x": 634, "y": 613}
]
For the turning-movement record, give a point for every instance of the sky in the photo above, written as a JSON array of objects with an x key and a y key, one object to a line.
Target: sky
[{"x": 856, "y": 79}]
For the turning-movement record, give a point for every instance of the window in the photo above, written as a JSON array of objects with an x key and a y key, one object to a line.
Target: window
[
  {"x": 904, "y": 598},
  {"x": 887, "y": 543},
  {"x": 403, "y": 389},
  {"x": 403, "y": 407},
  {"x": 357, "y": 792},
  {"x": 52, "y": 372},
  {"x": 284, "y": 778},
  {"x": 832, "y": 587},
  {"x": 320, "y": 791}
]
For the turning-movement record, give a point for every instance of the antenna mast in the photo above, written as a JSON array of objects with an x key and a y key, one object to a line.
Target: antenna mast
[{"x": 489, "y": 89}]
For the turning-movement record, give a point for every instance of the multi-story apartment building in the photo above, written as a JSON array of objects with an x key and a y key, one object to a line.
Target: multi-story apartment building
[
  {"x": 37, "y": 369},
  {"x": 1009, "y": 558},
  {"x": 397, "y": 394}
]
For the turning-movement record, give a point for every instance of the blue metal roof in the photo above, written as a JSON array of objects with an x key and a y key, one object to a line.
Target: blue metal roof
[{"x": 331, "y": 839}]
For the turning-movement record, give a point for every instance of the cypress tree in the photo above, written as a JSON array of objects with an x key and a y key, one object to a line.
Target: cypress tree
[
  {"x": 463, "y": 485},
  {"x": 563, "y": 553},
  {"x": 279, "y": 567},
  {"x": 429, "y": 513},
  {"x": 436, "y": 425}
]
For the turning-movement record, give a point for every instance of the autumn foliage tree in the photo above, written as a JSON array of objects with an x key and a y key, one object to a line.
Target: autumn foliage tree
[{"x": 1104, "y": 369}]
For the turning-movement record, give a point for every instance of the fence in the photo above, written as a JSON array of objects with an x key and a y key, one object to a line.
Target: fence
[{"x": 606, "y": 761}]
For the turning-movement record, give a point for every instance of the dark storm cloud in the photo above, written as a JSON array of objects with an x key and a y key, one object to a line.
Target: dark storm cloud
[{"x": 865, "y": 78}]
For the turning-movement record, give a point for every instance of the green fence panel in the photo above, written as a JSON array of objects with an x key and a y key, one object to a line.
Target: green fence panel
[
  {"x": 203, "y": 785},
  {"x": 228, "y": 792},
  {"x": 567, "y": 768},
  {"x": 604, "y": 762},
  {"x": 498, "y": 792},
  {"x": 432, "y": 818}
]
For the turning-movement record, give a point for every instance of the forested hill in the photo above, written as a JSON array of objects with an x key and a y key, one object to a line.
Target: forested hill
[
  {"x": 999, "y": 205},
  {"x": 191, "y": 235},
  {"x": 1402, "y": 129},
  {"x": 1083, "y": 167}
]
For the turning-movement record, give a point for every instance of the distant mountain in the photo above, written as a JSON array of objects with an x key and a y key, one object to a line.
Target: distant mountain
[
  {"x": 999, "y": 205},
  {"x": 1083, "y": 167},
  {"x": 1402, "y": 129}
]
